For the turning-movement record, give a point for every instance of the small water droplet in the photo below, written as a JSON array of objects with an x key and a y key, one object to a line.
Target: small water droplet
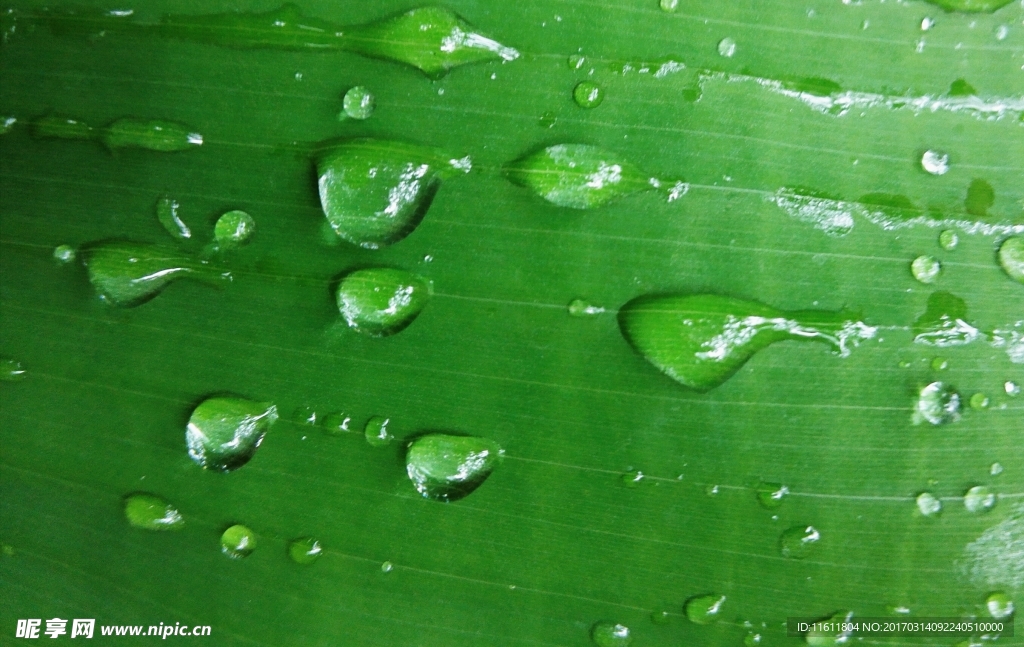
[
  {"x": 864, "y": 25},
  {"x": 358, "y": 103},
  {"x": 938, "y": 404},
  {"x": 445, "y": 467},
  {"x": 1012, "y": 389},
  {"x": 979, "y": 499},
  {"x": 770, "y": 495},
  {"x": 999, "y": 605},
  {"x": 167, "y": 215},
  {"x": 298, "y": 76},
  {"x": 238, "y": 542},
  {"x": 224, "y": 433},
  {"x": 935, "y": 162},
  {"x": 6, "y": 122},
  {"x": 928, "y": 504},
  {"x": 382, "y": 301},
  {"x": 995, "y": 469},
  {"x": 1011, "y": 257},
  {"x": 376, "y": 431},
  {"x": 711, "y": 490},
  {"x": 306, "y": 416},
  {"x": 632, "y": 479},
  {"x": 547, "y": 120},
  {"x": 581, "y": 308},
  {"x": 904, "y": 364},
  {"x": 948, "y": 240},
  {"x": 704, "y": 609},
  {"x": 610, "y": 634},
  {"x": 387, "y": 567},
  {"x": 726, "y": 47},
  {"x": 925, "y": 269},
  {"x": 233, "y": 229},
  {"x": 927, "y": 23},
  {"x": 305, "y": 550},
  {"x": 150, "y": 512},
  {"x": 979, "y": 401},
  {"x": 668, "y": 5},
  {"x": 576, "y": 61},
  {"x": 827, "y": 635},
  {"x": 64, "y": 254},
  {"x": 337, "y": 423},
  {"x": 752, "y": 639},
  {"x": 660, "y": 617},
  {"x": 11, "y": 370},
  {"x": 587, "y": 94},
  {"x": 1002, "y": 31},
  {"x": 798, "y": 542}
]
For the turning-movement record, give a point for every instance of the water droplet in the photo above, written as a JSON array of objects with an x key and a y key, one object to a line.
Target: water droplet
[
  {"x": 704, "y": 609},
  {"x": 381, "y": 301},
  {"x": 150, "y": 512},
  {"x": 1012, "y": 389},
  {"x": 1002, "y": 31},
  {"x": 11, "y": 370},
  {"x": 999, "y": 605},
  {"x": 995, "y": 469},
  {"x": 224, "y": 433},
  {"x": 752, "y": 639},
  {"x": 798, "y": 542},
  {"x": 726, "y": 47},
  {"x": 927, "y": 23},
  {"x": 701, "y": 340},
  {"x": 904, "y": 364},
  {"x": 822, "y": 638},
  {"x": 948, "y": 240},
  {"x": 938, "y": 403},
  {"x": 770, "y": 495},
  {"x": 979, "y": 401},
  {"x": 547, "y": 120},
  {"x": 919, "y": 47},
  {"x": 233, "y": 229},
  {"x": 358, "y": 103},
  {"x": 925, "y": 269},
  {"x": 375, "y": 192},
  {"x": 980, "y": 198},
  {"x": 305, "y": 550},
  {"x": 944, "y": 322},
  {"x": 306, "y": 416},
  {"x": 632, "y": 479},
  {"x": 661, "y": 617},
  {"x": 939, "y": 364},
  {"x": 376, "y": 431},
  {"x": 578, "y": 176},
  {"x": 928, "y": 504},
  {"x": 610, "y": 634},
  {"x": 580, "y": 308},
  {"x": 587, "y": 94},
  {"x": 64, "y": 253},
  {"x": 387, "y": 567},
  {"x": 971, "y": 6},
  {"x": 1011, "y": 258},
  {"x": 668, "y": 5},
  {"x": 129, "y": 274},
  {"x": 6, "y": 122},
  {"x": 711, "y": 490},
  {"x": 238, "y": 542},
  {"x": 935, "y": 163},
  {"x": 167, "y": 214},
  {"x": 979, "y": 499},
  {"x": 337, "y": 423},
  {"x": 576, "y": 61},
  {"x": 444, "y": 467}
]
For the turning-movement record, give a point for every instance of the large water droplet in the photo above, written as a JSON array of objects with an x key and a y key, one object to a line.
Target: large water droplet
[
  {"x": 999, "y": 605},
  {"x": 928, "y": 504},
  {"x": 224, "y": 433},
  {"x": 704, "y": 609},
  {"x": 798, "y": 542},
  {"x": 233, "y": 229},
  {"x": 925, "y": 269},
  {"x": 382, "y": 301},
  {"x": 376, "y": 432},
  {"x": 702, "y": 340},
  {"x": 1011, "y": 258},
  {"x": 979, "y": 499},
  {"x": 150, "y": 512},
  {"x": 726, "y": 47},
  {"x": 305, "y": 550},
  {"x": 935, "y": 163},
  {"x": 167, "y": 214},
  {"x": 587, "y": 94},
  {"x": 937, "y": 403},
  {"x": 11, "y": 370},
  {"x": 444, "y": 467},
  {"x": 358, "y": 103},
  {"x": 238, "y": 541},
  {"x": 128, "y": 274},
  {"x": 578, "y": 176},
  {"x": 610, "y": 634},
  {"x": 970, "y": 6},
  {"x": 770, "y": 495},
  {"x": 375, "y": 192}
]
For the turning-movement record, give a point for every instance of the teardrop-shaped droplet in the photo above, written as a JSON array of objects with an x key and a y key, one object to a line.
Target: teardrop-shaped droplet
[
  {"x": 799, "y": 541},
  {"x": 305, "y": 550},
  {"x": 444, "y": 467},
  {"x": 970, "y": 6},
  {"x": 128, "y": 274},
  {"x": 578, "y": 176},
  {"x": 233, "y": 229},
  {"x": 610, "y": 634},
  {"x": 382, "y": 301},
  {"x": 150, "y": 512},
  {"x": 61, "y": 127},
  {"x": 944, "y": 322},
  {"x": 167, "y": 214},
  {"x": 238, "y": 541},
  {"x": 704, "y": 609},
  {"x": 151, "y": 134},
  {"x": 224, "y": 433},
  {"x": 702, "y": 340},
  {"x": 1011, "y": 258},
  {"x": 375, "y": 192}
]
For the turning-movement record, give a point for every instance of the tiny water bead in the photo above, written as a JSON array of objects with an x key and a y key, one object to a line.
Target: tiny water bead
[
  {"x": 995, "y": 469},
  {"x": 702, "y": 340},
  {"x": 167, "y": 215},
  {"x": 1011, "y": 258},
  {"x": 581, "y": 308},
  {"x": 979, "y": 499},
  {"x": 833, "y": 632},
  {"x": 610, "y": 634},
  {"x": 726, "y": 47},
  {"x": 668, "y": 6},
  {"x": 224, "y": 433},
  {"x": 587, "y": 94},
  {"x": 979, "y": 401},
  {"x": 358, "y": 103},
  {"x": 305, "y": 550},
  {"x": 547, "y": 120},
  {"x": 940, "y": 364},
  {"x": 375, "y": 192},
  {"x": 129, "y": 274},
  {"x": 337, "y": 423},
  {"x": 387, "y": 567},
  {"x": 661, "y": 617},
  {"x": 925, "y": 269},
  {"x": 376, "y": 431},
  {"x": 935, "y": 163},
  {"x": 632, "y": 479},
  {"x": 11, "y": 370},
  {"x": 999, "y": 605},
  {"x": 64, "y": 254},
  {"x": 770, "y": 495},
  {"x": 1012, "y": 389},
  {"x": 704, "y": 609},
  {"x": 233, "y": 229},
  {"x": 576, "y": 61},
  {"x": 752, "y": 639},
  {"x": 799, "y": 541},
  {"x": 712, "y": 490},
  {"x": 938, "y": 403},
  {"x": 949, "y": 240},
  {"x": 7, "y": 122},
  {"x": 445, "y": 467},
  {"x": 306, "y": 416},
  {"x": 238, "y": 541},
  {"x": 382, "y": 301},
  {"x": 928, "y": 504},
  {"x": 150, "y": 512}
]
